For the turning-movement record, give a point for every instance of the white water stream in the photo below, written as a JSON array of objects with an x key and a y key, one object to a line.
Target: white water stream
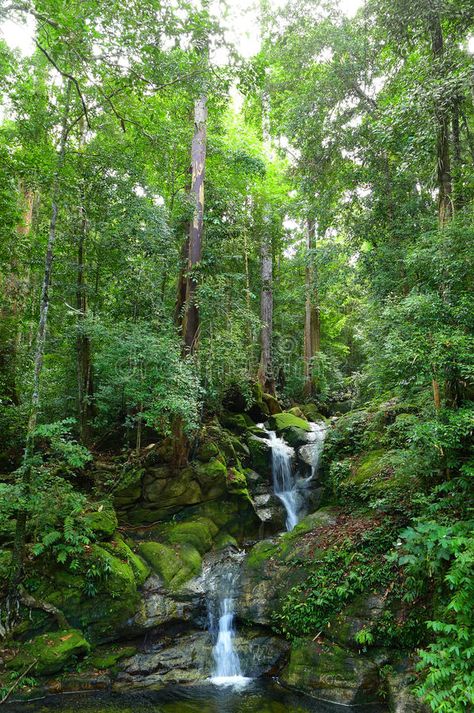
[
  {"x": 227, "y": 669},
  {"x": 287, "y": 486},
  {"x": 291, "y": 491}
]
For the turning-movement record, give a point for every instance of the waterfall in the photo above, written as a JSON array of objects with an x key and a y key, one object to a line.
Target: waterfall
[
  {"x": 227, "y": 669},
  {"x": 287, "y": 485},
  {"x": 284, "y": 481}
]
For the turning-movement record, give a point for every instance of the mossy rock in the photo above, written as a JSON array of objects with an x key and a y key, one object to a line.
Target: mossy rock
[
  {"x": 50, "y": 653},
  {"x": 224, "y": 540},
  {"x": 281, "y": 422},
  {"x": 370, "y": 465},
  {"x": 312, "y": 413},
  {"x": 295, "y": 436},
  {"x": 260, "y": 553},
  {"x": 107, "y": 657},
  {"x": 238, "y": 422},
  {"x": 237, "y": 482},
  {"x": 120, "y": 549},
  {"x": 101, "y": 603},
  {"x": 162, "y": 558},
  {"x": 332, "y": 673},
  {"x": 206, "y": 451},
  {"x": 260, "y": 455},
  {"x": 272, "y": 404},
  {"x": 129, "y": 489},
  {"x": 174, "y": 565},
  {"x": 297, "y": 411},
  {"x": 211, "y": 475},
  {"x": 198, "y": 532},
  {"x": 103, "y": 523}
]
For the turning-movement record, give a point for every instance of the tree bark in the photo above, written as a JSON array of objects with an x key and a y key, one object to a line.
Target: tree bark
[
  {"x": 445, "y": 186},
  {"x": 198, "y": 163},
  {"x": 312, "y": 329},
  {"x": 265, "y": 372},
  {"x": 26, "y": 470},
  {"x": 84, "y": 360}
]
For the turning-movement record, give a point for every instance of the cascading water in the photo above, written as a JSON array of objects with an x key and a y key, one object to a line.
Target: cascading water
[
  {"x": 227, "y": 669},
  {"x": 284, "y": 482},
  {"x": 287, "y": 485}
]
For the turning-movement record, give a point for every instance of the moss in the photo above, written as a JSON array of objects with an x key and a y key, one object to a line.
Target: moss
[
  {"x": 260, "y": 553},
  {"x": 211, "y": 473},
  {"x": 103, "y": 523},
  {"x": 50, "y": 653},
  {"x": 198, "y": 532},
  {"x": 260, "y": 455},
  {"x": 282, "y": 421},
  {"x": 130, "y": 488},
  {"x": 312, "y": 412},
  {"x": 107, "y": 657},
  {"x": 295, "y": 436},
  {"x": 237, "y": 482},
  {"x": 296, "y": 411},
  {"x": 162, "y": 559},
  {"x": 206, "y": 451},
  {"x": 369, "y": 466},
  {"x": 224, "y": 540},
  {"x": 239, "y": 422},
  {"x": 120, "y": 549},
  {"x": 271, "y": 403}
]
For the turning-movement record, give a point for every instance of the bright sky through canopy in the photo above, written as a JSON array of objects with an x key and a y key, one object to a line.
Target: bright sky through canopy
[{"x": 243, "y": 22}]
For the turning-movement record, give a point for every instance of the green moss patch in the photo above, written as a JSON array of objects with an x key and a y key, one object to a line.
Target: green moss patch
[
  {"x": 280, "y": 422},
  {"x": 50, "y": 653},
  {"x": 102, "y": 522}
]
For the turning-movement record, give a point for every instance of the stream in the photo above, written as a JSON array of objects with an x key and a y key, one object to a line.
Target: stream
[
  {"x": 260, "y": 696},
  {"x": 231, "y": 685}
]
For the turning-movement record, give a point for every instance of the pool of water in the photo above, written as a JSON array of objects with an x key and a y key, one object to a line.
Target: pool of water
[{"x": 256, "y": 697}]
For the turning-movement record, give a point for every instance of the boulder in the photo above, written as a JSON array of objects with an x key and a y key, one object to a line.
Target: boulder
[
  {"x": 260, "y": 455},
  {"x": 50, "y": 653},
  {"x": 332, "y": 673},
  {"x": 272, "y": 404},
  {"x": 280, "y": 422},
  {"x": 103, "y": 523}
]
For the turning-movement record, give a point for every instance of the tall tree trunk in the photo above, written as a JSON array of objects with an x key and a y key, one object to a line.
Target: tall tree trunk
[
  {"x": 443, "y": 160},
  {"x": 198, "y": 164},
  {"x": 312, "y": 329},
  {"x": 445, "y": 186},
  {"x": 26, "y": 470},
  {"x": 457, "y": 159},
  {"x": 266, "y": 375},
  {"x": 265, "y": 372},
  {"x": 85, "y": 384}
]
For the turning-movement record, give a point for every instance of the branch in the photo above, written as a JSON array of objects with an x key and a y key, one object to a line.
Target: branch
[{"x": 67, "y": 76}]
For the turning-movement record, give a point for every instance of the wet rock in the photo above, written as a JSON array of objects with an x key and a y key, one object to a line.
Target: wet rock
[{"x": 332, "y": 673}]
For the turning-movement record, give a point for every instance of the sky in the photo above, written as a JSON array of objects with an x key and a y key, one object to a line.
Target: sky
[{"x": 243, "y": 21}]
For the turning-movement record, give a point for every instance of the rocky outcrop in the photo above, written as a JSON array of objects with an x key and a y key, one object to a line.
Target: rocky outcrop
[{"x": 332, "y": 673}]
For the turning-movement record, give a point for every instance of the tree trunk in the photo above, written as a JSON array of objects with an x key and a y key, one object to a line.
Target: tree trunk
[
  {"x": 445, "y": 187},
  {"x": 84, "y": 361},
  {"x": 265, "y": 372},
  {"x": 26, "y": 470},
  {"x": 266, "y": 375},
  {"x": 443, "y": 161},
  {"x": 198, "y": 163},
  {"x": 312, "y": 329}
]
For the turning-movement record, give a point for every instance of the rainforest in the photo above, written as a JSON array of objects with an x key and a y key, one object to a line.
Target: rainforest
[{"x": 236, "y": 356}]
